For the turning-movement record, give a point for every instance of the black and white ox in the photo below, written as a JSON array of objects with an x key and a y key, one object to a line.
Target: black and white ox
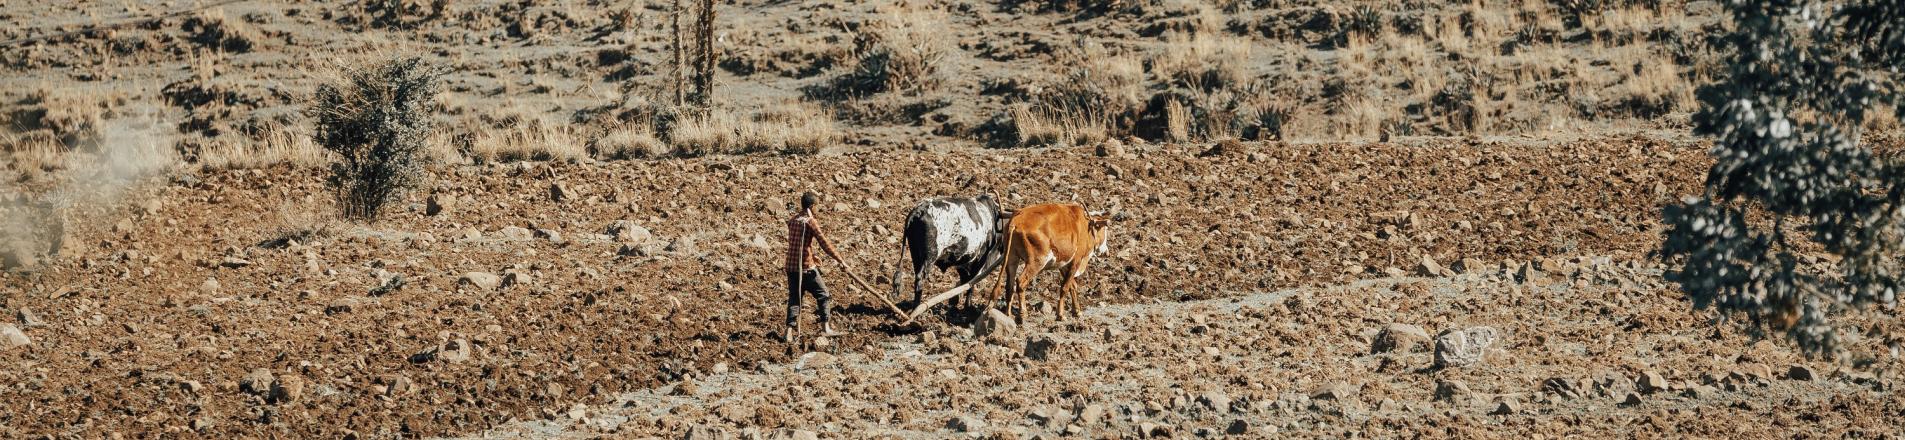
[{"x": 953, "y": 232}]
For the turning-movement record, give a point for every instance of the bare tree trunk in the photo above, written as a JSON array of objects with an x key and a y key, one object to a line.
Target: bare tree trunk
[
  {"x": 681, "y": 65},
  {"x": 704, "y": 69}
]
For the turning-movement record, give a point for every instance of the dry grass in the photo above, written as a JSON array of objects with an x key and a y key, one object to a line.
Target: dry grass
[
  {"x": 629, "y": 141},
  {"x": 1040, "y": 127},
  {"x": 1201, "y": 61},
  {"x": 1105, "y": 91},
  {"x": 518, "y": 135},
  {"x": 793, "y": 128},
  {"x": 902, "y": 52},
  {"x": 277, "y": 146},
  {"x": 33, "y": 153}
]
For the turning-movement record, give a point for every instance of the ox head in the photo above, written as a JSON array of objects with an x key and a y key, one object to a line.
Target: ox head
[
  {"x": 985, "y": 199},
  {"x": 1099, "y": 225}
]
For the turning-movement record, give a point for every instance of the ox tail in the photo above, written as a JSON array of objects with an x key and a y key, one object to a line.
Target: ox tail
[{"x": 1005, "y": 257}]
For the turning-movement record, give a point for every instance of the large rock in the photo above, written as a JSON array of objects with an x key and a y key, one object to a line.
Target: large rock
[
  {"x": 1429, "y": 268},
  {"x": 1465, "y": 347},
  {"x": 481, "y": 280},
  {"x": 1399, "y": 337},
  {"x": 995, "y": 326},
  {"x": 1652, "y": 382},
  {"x": 1451, "y": 390},
  {"x": 966, "y": 423},
  {"x": 258, "y": 382},
  {"x": 515, "y": 233},
  {"x": 11, "y": 337},
  {"x": 438, "y": 204},
  {"x": 627, "y": 231},
  {"x": 1040, "y": 348},
  {"x": 286, "y": 389}
]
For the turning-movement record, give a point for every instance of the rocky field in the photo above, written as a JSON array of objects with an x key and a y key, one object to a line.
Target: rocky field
[
  {"x": 224, "y": 303},
  {"x": 1313, "y": 192}
]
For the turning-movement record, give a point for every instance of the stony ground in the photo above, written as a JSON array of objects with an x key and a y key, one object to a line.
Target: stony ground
[
  {"x": 224, "y": 304},
  {"x": 1595, "y": 348}
]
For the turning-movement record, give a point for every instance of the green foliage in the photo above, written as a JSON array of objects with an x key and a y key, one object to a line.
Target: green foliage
[
  {"x": 1790, "y": 178},
  {"x": 376, "y": 121}
]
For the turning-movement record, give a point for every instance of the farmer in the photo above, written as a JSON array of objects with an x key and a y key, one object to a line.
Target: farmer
[{"x": 803, "y": 274}]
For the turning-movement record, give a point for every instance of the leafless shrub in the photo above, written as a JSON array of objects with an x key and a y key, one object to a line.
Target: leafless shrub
[
  {"x": 376, "y": 119},
  {"x": 1201, "y": 61},
  {"x": 900, "y": 52}
]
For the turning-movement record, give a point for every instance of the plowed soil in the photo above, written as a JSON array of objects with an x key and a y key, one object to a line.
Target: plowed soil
[{"x": 164, "y": 317}]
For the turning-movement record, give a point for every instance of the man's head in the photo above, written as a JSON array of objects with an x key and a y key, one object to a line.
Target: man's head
[{"x": 808, "y": 200}]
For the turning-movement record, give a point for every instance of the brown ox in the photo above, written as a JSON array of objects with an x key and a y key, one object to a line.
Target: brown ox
[{"x": 1038, "y": 236}]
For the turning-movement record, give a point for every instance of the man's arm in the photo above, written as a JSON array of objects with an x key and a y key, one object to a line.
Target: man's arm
[{"x": 825, "y": 245}]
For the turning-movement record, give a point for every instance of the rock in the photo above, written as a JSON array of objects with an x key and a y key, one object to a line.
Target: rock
[
  {"x": 1091, "y": 414},
  {"x": 438, "y": 204},
  {"x": 549, "y": 234},
  {"x": 29, "y": 319},
  {"x": 1799, "y": 372},
  {"x": 1451, "y": 390},
  {"x": 1632, "y": 398},
  {"x": 1238, "y": 427},
  {"x": 1561, "y": 386},
  {"x": 1465, "y": 347},
  {"x": 965, "y": 423},
  {"x": 684, "y": 245},
  {"x": 1507, "y": 406},
  {"x": 719, "y": 368},
  {"x": 285, "y": 389},
  {"x": 1148, "y": 429},
  {"x": 560, "y": 192},
  {"x": 1528, "y": 274},
  {"x": 822, "y": 342},
  {"x": 209, "y": 286},
  {"x": 516, "y": 277},
  {"x": 995, "y": 326},
  {"x": 1613, "y": 385},
  {"x": 1428, "y": 267},
  {"x": 813, "y": 360},
  {"x": 454, "y": 351},
  {"x": 480, "y": 280},
  {"x": 627, "y": 231},
  {"x": 11, "y": 337},
  {"x": 1469, "y": 265},
  {"x": 759, "y": 243},
  {"x": 1700, "y": 392},
  {"x": 1394, "y": 272},
  {"x": 1399, "y": 337},
  {"x": 1040, "y": 348},
  {"x": 257, "y": 382},
  {"x": 1110, "y": 148},
  {"x": 515, "y": 233},
  {"x": 1651, "y": 382},
  {"x": 687, "y": 387},
  {"x": 1215, "y": 400},
  {"x": 1334, "y": 391},
  {"x": 233, "y": 263},
  {"x": 704, "y": 432}
]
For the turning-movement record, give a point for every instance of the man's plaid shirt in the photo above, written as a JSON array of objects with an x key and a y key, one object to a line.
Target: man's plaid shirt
[{"x": 801, "y": 230}]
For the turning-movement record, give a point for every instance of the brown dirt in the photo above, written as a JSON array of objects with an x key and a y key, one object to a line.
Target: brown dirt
[{"x": 133, "y": 318}]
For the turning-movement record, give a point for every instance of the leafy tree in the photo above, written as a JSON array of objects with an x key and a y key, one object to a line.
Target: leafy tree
[{"x": 1790, "y": 176}]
